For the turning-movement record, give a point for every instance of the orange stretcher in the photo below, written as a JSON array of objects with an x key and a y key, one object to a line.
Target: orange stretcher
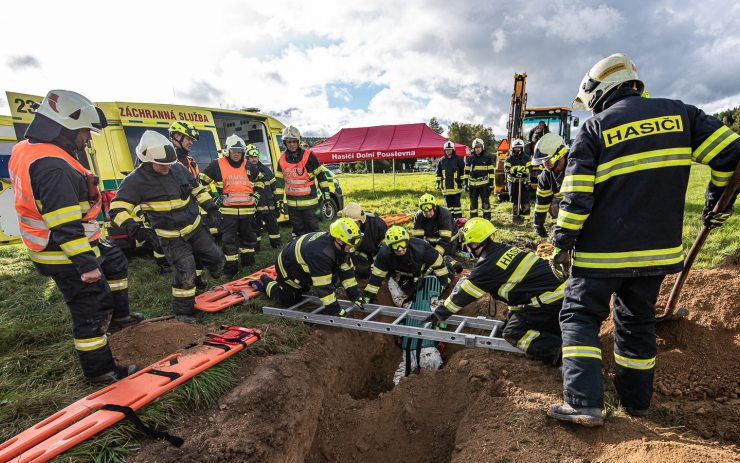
[
  {"x": 395, "y": 219},
  {"x": 224, "y": 296},
  {"x": 102, "y": 409}
]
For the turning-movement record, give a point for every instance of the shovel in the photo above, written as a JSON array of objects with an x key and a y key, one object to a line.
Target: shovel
[{"x": 671, "y": 312}]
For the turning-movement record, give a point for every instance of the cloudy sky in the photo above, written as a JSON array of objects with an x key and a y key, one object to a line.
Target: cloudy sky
[{"x": 323, "y": 65}]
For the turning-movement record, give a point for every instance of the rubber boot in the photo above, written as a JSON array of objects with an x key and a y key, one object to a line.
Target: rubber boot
[
  {"x": 189, "y": 319},
  {"x": 117, "y": 324},
  {"x": 201, "y": 283},
  {"x": 112, "y": 376},
  {"x": 231, "y": 269},
  {"x": 589, "y": 417}
]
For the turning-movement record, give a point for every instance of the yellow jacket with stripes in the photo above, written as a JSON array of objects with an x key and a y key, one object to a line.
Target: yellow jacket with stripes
[{"x": 625, "y": 184}]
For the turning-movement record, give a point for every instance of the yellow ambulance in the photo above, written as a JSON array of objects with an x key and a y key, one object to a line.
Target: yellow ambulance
[{"x": 113, "y": 156}]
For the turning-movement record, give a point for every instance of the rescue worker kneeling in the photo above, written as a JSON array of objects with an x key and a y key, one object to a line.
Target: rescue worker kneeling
[
  {"x": 373, "y": 230},
  {"x": 165, "y": 190},
  {"x": 58, "y": 202},
  {"x": 517, "y": 277},
  {"x": 240, "y": 185},
  {"x": 314, "y": 260},
  {"x": 435, "y": 224}
]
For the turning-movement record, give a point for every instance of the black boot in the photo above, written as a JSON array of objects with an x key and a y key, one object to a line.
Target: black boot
[
  {"x": 112, "y": 376},
  {"x": 118, "y": 324}
]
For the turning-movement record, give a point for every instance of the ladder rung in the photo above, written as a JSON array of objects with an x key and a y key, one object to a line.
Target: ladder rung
[
  {"x": 372, "y": 315},
  {"x": 400, "y": 317},
  {"x": 494, "y": 331},
  {"x": 318, "y": 309},
  {"x": 461, "y": 326}
]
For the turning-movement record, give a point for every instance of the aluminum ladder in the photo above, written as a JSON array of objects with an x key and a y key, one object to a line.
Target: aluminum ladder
[{"x": 310, "y": 308}]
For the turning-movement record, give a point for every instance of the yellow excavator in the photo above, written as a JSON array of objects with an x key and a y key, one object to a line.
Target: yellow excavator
[{"x": 522, "y": 123}]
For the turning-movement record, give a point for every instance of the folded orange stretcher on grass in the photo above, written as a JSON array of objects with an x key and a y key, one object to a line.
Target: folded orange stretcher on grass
[
  {"x": 102, "y": 409},
  {"x": 395, "y": 219},
  {"x": 228, "y": 294}
]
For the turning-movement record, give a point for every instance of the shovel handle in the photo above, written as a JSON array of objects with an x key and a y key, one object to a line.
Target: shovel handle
[{"x": 721, "y": 205}]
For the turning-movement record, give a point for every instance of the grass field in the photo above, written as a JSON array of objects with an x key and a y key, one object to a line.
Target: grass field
[{"x": 39, "y": 373}]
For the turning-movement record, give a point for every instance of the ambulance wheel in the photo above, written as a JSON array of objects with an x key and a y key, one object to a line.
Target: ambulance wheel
[{"x": 329, "y": 210}]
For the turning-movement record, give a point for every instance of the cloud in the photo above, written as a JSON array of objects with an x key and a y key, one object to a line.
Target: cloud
[
  {"x": 20, "y": 62},
  {"x": 201, "y": 93}
]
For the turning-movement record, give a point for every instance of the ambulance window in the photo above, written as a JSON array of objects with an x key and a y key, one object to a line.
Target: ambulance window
[{"x": 204, "y": 150}]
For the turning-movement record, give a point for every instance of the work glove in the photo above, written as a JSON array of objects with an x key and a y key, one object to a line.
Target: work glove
[
  {"x": 361, "y": 301},
  {"x": 439, "y": 316},
  {"x": 215, "y": 216},
  {"x": 439, "y": 184},
  {"x": 147, "y": 235},
  {"x": 713, "y": 219},
  {"x": 540, "y": 229},
  {"x": 560, "y": 263}
]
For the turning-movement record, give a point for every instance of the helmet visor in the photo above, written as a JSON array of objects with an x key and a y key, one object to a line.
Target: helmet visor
[
  {"x": 399, "y": 245},
  {"x": 426, "y": 207}
]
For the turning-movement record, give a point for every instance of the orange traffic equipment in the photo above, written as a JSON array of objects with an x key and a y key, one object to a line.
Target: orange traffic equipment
[
  {"x": 395, "y": 219},
  {"x": 224, "y": 296},
  {"x": 101, "y": 410}
]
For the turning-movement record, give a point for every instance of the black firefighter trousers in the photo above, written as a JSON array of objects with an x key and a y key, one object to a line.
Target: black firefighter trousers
[
  {"x": 265, "y": 218},
  {"x": 181, "y": 254},
  {"x": 536, "y": 331},
  {"x": 453, "y": 204},
  {"x": 92, "y": 306},
  {"x": 585, "y": 308},
  {"x": 514, "y": 188},
  {"x": 304, "y": 219},
  {"x": 484, "y": 193},
  {"x": 238, "y": 240}
]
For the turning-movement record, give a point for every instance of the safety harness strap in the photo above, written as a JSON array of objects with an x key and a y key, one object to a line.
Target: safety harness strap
[{"x": 130, "y": 415}]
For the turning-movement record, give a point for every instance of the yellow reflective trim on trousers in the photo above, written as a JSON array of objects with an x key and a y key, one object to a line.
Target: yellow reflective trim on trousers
[
  {"x": 377, "y": 272},
  {"x": 165, "y": 206},
  {"x": 571, "y": 220},
  {"x": 582, "y": 351},
  {"x": 721, "y": 178},
  {"x": 62, "y": 215},
  {"x": 118, "y": 285},
  {"x": 329, "y": 299},
  {"x": 231, "y": 257},
  {"x": 527, "y": 339},
  {"x": 578, "y": 184},
  {"x": 346, "y": 267},
  {"x": 179, "y": 292},
  {"x": 472, "y": 289},
  {"x": 321, "y": 280},
  {"x": 541, "y": 207},
  {"x": 635, "y": 364},
  {"x": 518, "y": 275},
  {"x": 714, "y": 145},
  {"x": 74, "y": 247},
  {"x": 55, "y": 257},
  {"x": 372, "y": 289},
  {"x": 178, "y": 233},
  {"x": 349, "y": 282},
  {"x": 451, "y": 306},
  {"x": 240, "y": 211},
  {"x": 646, "y": 258},
  {"x": 544, "y": 193},
  {"x": 656, "y": 159},
  {"x": 88, "y": 344}
]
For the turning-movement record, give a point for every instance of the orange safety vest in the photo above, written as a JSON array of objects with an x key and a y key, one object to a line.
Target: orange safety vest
[
  {"x": 34, "y": 231},
  {"x": 237, "y": 189},
  {"x": 297, "y": 179}
]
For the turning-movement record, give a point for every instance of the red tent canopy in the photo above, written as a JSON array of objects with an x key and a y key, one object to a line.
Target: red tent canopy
[{"x": 383, "y": 142}]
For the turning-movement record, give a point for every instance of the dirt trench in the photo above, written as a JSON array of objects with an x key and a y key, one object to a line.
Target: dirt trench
[{"x": 332, "y": 400}]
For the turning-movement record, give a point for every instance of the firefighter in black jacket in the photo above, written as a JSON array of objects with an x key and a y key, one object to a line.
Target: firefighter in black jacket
[
  {"x": 297, "y": 173},
  {"x": 168, "y": 193},
  {"x": 450, "y": 178},
  {"x": 266, "y": 213},
  {"x": 517, "y": 166},
  {"x": 240, "y": 185},
  {"x": 435, "y": 224},
  {"x": 622, "y": 213},
  {"x": 373, "y": 230},
  {"x": 518, "y": 278},
  {"x": 551, "y": 153},
  {"x": 406, "y": 260},
  {"x": 479, "y": 170},
  {"x": 58, "y": 202},
  {"x": 316, "y": 260}
]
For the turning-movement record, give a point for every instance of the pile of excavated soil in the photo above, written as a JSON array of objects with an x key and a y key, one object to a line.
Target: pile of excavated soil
[
  {"x": 332, "y": 400},
  {"x": 149, "y": 341}
]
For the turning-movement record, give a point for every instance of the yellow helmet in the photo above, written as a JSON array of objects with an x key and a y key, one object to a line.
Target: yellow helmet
[
  {"x": 252, "y": 150},
  {"x": 396, "y": 237},
  {"x": 186, "y": 128},
  {"x": 477, "y": 230},
  {"x": 346, "y": 231},
  {"x": 426, "y": 200}
]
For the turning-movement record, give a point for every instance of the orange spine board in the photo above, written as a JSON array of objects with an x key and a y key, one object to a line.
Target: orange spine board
[{"x": 232, "y": 293}]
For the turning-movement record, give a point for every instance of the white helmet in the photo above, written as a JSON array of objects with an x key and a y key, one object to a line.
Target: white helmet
[
  {"x": 235, "y": 143},
  {"x": 291, "y": 133},
  {"x": 155, "y": 147},
  {"x": 72, "y": 111},
  {"x": 551, "y": 146},
  {"x": 517, "y": 143},
  {"x": 604, "y": 76},
  {"x": 477, "y": 142},
  {"x": 354, "y": 211},
  {"x": 449, "y": 145}
]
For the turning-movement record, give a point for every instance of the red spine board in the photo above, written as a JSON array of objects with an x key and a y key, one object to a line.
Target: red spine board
[{"x": 83, "y": 419}]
